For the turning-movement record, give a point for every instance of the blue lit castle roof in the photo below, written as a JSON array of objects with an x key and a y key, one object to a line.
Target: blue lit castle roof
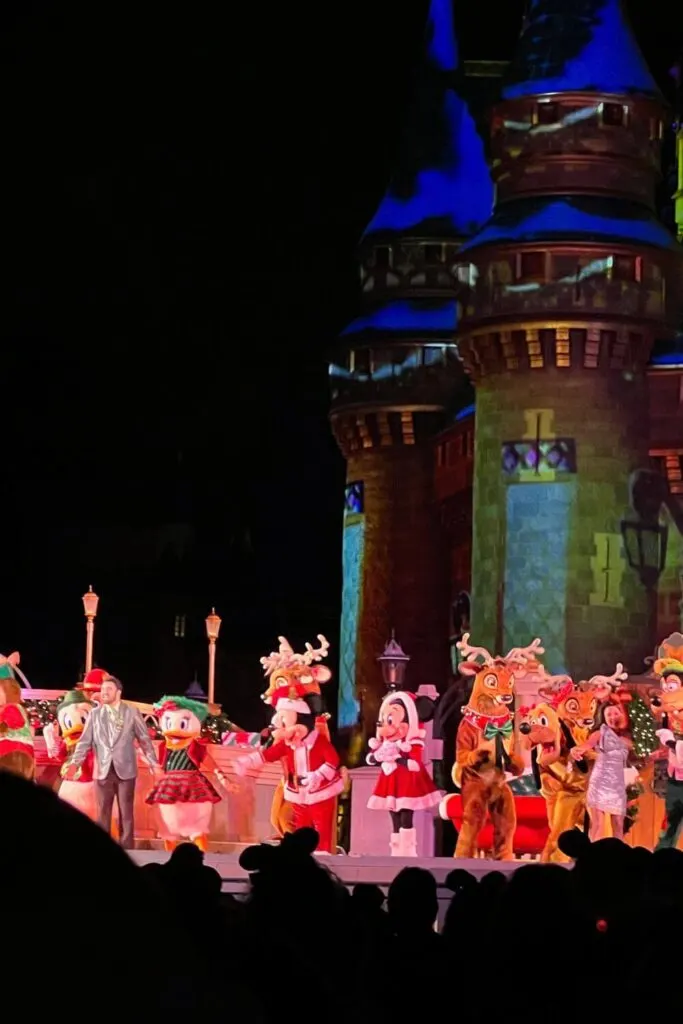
[
  {"x": 441, "y": 184},
  {"x": 578, "y": 46},
  {"x": 408, "y": 317},
  {"x": 439, "y": 194}
]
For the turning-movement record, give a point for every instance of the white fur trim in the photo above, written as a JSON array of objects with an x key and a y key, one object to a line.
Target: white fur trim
[
  {"x": 286, "y": 704},
  {"x": 443, "y": 807},
  {"x": 413, "y": 766},
  {"x": 408, "y": 703},
  {"x": 373, "y": 743},
  {"x": 404, "y": 746},
  {"x": 405, "y": 803},
  {"x": 328, "y": 772}
]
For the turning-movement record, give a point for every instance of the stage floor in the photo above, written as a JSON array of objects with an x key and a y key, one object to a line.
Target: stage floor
[{"x": 349, "y": 869}]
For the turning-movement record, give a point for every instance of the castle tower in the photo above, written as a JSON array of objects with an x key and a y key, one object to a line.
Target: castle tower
[
  {"x": 575, "y": 278},
  {"x": 395, "y": 378}
]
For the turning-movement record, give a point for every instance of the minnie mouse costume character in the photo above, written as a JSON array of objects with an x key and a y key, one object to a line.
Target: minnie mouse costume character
[
  {"x": 404, "y": 785},
  {"x": 310, "y": 764}
]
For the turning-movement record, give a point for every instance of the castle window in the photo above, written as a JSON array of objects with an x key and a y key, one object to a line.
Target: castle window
[
  {"x": 179, "y": 626},
  {"x": 383, "y": 256},
  {"x": 547, "y": 113},
  {"x": 360, "y": 362},
  {"x": 530, "y": 266},
  {"x": 613, "y": 115},
  {"x": 433, "y": 254},
  {"x": 624, "y": 268}
]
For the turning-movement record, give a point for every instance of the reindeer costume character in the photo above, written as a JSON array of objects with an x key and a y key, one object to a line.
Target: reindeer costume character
[
  {"x": 485, "y": 748},
  {"x": 16, "y": 736},
  {"x": 312, "y": 776},
  {"x": 553, "y": 729}
]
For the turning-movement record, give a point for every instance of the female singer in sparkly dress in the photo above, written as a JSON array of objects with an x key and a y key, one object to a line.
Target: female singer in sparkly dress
[{"x": 607, "y": 787}]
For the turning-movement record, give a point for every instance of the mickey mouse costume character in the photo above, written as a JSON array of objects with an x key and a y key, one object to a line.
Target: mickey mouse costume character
[
  {"x": 404, "y": 785},
  {"x": 310, "y": 764}
]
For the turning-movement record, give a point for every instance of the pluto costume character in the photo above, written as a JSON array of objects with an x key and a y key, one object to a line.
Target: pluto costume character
[
  {"x": 563, "y": 720},
  {"x": 485, "y": 748}
]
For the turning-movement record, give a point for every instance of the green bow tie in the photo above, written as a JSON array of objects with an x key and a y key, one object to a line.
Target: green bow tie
[{"x": 491, "y": 730}]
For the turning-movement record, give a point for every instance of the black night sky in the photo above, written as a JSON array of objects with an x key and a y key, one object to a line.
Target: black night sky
[{"x": 183, "y": 195}]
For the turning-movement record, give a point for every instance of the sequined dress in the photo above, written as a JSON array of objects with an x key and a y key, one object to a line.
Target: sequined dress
[{"x": 607, "y": 789}]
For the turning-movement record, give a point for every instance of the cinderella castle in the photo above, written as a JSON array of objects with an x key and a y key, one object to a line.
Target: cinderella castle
[{"x": 509, "y": 402}]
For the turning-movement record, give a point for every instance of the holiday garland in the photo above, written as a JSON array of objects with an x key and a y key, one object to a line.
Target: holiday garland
[{"x": 40, "y": 712}]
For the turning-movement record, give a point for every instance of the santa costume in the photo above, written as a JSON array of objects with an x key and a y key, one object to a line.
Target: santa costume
[
  {"x": 310, "y": 764},
  {"x": 404, "y": 784}
]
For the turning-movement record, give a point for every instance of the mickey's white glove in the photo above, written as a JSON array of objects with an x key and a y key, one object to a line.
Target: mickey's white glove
[
  {"x": 413, "y": 766},
  {"x": 388, "y": 767},
  {"x": 313, "y": 781}
]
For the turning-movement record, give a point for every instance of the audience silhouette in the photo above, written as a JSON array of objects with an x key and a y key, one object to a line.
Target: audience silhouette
[{"x": 601, "y": 937}]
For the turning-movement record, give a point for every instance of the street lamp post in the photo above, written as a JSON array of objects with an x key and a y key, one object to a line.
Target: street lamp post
[
  {"x": 90, "y": 603},
  {"x": 213, "y": 628},
  {"x": 394, "y": 662}
]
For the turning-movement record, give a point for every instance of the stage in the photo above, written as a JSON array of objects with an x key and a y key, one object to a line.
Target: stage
[{"x": 351, "y": 870}]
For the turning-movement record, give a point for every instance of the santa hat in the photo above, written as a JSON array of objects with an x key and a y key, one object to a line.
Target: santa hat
[
  {"x": 92, "y": 683},
  {"x": 291, "y": 698},
  {"x": 407, "y": 700}
]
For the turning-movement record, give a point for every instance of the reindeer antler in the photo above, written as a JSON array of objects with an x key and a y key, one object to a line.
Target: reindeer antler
[
  {"x": 315, "y": 654},
  {"x": 281, "y": 658},
  {"x": 285, "y": 656},
  {"x": 618, "y": 676},
  {"x": 523, "y": 654},
  {"x": 472, "y": 653}
]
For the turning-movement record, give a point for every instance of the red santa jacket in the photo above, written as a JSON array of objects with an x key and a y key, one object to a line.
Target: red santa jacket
[
  {"x": 311, "y": 770},
  {"x": 63, "y": 756}
]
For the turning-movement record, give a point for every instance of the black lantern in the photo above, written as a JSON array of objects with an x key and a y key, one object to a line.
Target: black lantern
[
  {"x": 394, "y": 662},
  {"x": 645, "y": 543}
]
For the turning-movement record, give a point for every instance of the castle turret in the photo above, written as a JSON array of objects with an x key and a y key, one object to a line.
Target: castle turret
[
  {"x": 395, "y": 379},
  {"x": 574, "y": 280}
]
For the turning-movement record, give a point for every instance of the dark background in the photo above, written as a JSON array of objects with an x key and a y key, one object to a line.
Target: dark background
[{"x": 183, "y": 196}]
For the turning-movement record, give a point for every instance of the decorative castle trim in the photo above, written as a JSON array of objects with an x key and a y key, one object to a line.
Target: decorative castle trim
[
  {"x": 370, "y": 428},
  {"x": 604, "y": 347}
]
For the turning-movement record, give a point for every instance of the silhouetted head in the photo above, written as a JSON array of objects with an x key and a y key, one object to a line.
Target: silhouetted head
[{"x": 412, "y": 903}]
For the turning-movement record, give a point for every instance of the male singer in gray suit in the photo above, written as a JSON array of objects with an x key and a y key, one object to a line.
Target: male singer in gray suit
[{"x": 111, "y": 731}]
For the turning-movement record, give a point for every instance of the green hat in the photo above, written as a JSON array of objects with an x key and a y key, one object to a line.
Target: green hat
[
  {"x": 673, "y": 668},
  {"x": 73, "y": 697},
  {"x": 201, "y": 711}
]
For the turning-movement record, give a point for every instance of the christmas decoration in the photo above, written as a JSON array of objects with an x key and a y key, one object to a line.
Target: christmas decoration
[
  {"x": 643, "y": 728},
  {"x": 40, "y": 712}
]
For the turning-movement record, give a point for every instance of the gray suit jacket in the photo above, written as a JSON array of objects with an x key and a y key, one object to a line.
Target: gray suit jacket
[{"x": 114, "y": 742}]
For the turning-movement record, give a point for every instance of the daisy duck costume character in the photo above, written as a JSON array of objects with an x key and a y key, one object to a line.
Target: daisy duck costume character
[
  {"x": 312, "y": 777},
  {"x": 61, "y": 738},
  {"x": 404, "y": 785},
  {"x": 184, "y": 795}
]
